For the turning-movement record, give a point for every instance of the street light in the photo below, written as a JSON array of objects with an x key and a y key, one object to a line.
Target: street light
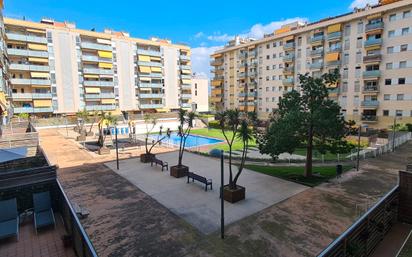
[
  {"x": 117, "y": 147},
  {"x": 359, "y": 138}
]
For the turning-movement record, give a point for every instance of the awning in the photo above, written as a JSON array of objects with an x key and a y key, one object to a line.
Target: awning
[
  {"x": 156, "y": 69},
  {"x": 334, "y": 28},
  {"x": 36, "y": 31},
  {"x": 144, "y": 58},
  {"x": 92, "y": 90},
  {"x": 41, "y": 60},
  {"x": 145, "y": 79},
  {"x": 331, "y": 57},
  {"x": 154, "y": 58},
  {"x": 91, "y": 76},
  {"x": 105, "y": 65},
  {"x": 108, "y": 101},
  {"x": 144, "y": 69},
  {"x": 216, "y": 55},
  {"x": 216, "y": 83},
  {"x": 42, "y": 103},
  {"x": 376, "y": 47},
  {"x": 105, "y": 54},
  {"x": 40, "y": 86},
  {"x": 39, "y": 75},
  {"x": 163, "y": 110},
  {"x": 374, "y": 16},
  {"x": 186, "y": 81},
  {"x": 186, "y": 71},
  {"x": 242, "y": 69},
  {"x": 37, "y": 47},
  {"x": 104, "y": 41},
  {"x": 282, "y": 30}
]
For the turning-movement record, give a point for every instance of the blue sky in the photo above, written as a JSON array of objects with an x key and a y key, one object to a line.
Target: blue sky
[{"x": 205, "y": 27}]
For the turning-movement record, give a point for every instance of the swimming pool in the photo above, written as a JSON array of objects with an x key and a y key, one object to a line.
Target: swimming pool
[{"x": 192, "y": 140}]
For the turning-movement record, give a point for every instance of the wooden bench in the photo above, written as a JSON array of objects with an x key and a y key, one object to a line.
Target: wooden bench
[
  {"x": 159, "y": 162},
  {"x": 193, "y": 176}
]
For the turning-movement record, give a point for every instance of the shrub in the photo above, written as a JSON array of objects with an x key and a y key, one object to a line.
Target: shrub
[
  {"x": 214, "y": 124},
  {"x": 409, "y": 127},
  {"x": 215, "y": 153}
]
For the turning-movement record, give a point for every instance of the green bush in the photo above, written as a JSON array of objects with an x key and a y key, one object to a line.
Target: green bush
[
  {"x": 214, "y": 124},
  {"x": 409, "y": 126}
]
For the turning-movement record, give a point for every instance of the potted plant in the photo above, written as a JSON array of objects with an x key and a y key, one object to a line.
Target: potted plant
[
  {"x": 106, "y": 119},
  {"x": 242, "y": 127},
  {"x": 187, "y": 118},
  {"x": 148, "y": 156}
]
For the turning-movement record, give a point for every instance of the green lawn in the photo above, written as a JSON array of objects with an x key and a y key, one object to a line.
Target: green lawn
[
  {"x": 295, "y": 174},
  {"x": 216, "y": 133}
]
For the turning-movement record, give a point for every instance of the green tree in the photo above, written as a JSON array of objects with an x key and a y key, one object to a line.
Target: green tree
[
  {"x": 106, "y": 119},
  {"x": 151, "y": 122},
  {"x": 83, "y": 117},
  {"x": 187, "y": 118},
  {"x": 307, "y": 117}
]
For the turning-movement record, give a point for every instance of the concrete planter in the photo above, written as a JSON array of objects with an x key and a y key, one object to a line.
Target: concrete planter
[
  {"x": 179, "y": 171},
  {"x": 146, "y": 158},
  {"x": 233, "y": 196},
  {"x": 104, "y": 150}
]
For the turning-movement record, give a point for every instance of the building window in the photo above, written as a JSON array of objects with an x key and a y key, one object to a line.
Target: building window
[
  {"x": 389, "y": 66},
  {"x": 357, "y": 86},
  {"x": 399, "y": 97},
  {"x": 401, "y": 81},
  {"x": 267, "y": 57},
  {"x": 399, "y": 113},
  {"x": 359, "y": 42},
  {"x": 274, "y": 56},
  {"x": 347, "y": 30},
  {"x": 406, "y": 14},
  {"x": 347, "y": 44},
  {"x": 402, "y": 65},
  {"x": 388, "y": 82},
  {"x": 267, "y": 68},
  {"x": 274, "y": 44},
  {"x": 404, "y": 48},
  {"x": 405, "y": 31},
  {"x": 385, "y": 112},
  {"x": 386, "y": 97},
  {"x": 391, "y": 33},
  {"x": 389, "y": 50},
  {"x": 392, "y": 17},
  {"x": 267, "y": 46},
  {"x": 360, "y": 27}
]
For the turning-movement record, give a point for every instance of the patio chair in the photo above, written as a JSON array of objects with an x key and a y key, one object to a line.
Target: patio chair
[
  {"x": 9, "y": 219},
  {"x": 43, "y": 212}
]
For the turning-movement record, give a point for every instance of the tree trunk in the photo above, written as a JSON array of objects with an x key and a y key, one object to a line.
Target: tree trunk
[
  {"x": 309, "y": 153},
  {"x": 230, "y": 168}
]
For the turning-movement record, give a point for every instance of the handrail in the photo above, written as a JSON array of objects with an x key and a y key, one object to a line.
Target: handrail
[{"x": 355, "y": 225}]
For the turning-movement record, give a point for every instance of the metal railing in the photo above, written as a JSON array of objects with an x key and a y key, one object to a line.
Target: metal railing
[{"x": 95, "y": 46}]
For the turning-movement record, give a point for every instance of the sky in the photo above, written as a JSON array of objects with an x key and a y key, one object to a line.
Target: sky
[{"x": 204, "y": 26}]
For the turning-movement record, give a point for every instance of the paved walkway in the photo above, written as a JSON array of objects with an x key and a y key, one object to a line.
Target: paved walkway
[
  {"x": 393, "y": 241},
  {"x": 192, "y": 203}
]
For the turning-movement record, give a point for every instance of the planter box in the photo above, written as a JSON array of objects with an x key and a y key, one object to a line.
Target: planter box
[
  {"x": 179, "y": 171},
  {"x": 146, "y": 158},
  {"x": 233, "y": 196},
  {"x": 81, "y": 138},
  {"x": 104, "y": 150}
]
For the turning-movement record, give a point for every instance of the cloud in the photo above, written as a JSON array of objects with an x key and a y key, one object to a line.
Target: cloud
[
  {"x": 259, "y": 30},
  {"x": 199, "y": 35},
  {"x": 220, "y": 38},
  {"x": 362, "y": 3},
  {"x": 201, "y": 59}
]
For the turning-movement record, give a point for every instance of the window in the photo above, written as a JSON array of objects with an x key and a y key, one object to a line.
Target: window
[
  {"x": 357, "y": 86},
  {"x": 389, "y": 50},
  {"x": 400, "y": 97},
  {"x": 405, "y": 31},
  {"x": 406, "y": 14},
  {"x": 359, "y": 42},
  {"x": 385, "y": 112},
  {"x": 267, "y": 57},
  {"x": 392, "y": 17},
  {"x": 391, "y": 33},
  {"x": 274, "y": 66},
  {"x": 267, "y": 79},
  {"x": 402, "y": 65},
  {"x": 267, "y": 46},
  {"x": 267, "y": 67},
  {"x": 274, "y": 44},
  {"x": 347, "y": 44},
  {"x": 347, "y": 30},
  {"x": 280, "y": 55},
  {"x": 404, "y": 48},
  {"x": 399, "y": 113},
  {"x": 401, "y": 81},
  {"x": 389, "y": 66},
  {"x": 360, "y": 27},
  {"x": 388, "y": 82},
  {"x": 386, "y": 97},
  {"x": 274, "y": 56}
]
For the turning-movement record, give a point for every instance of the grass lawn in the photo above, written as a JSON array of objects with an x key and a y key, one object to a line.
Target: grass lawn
[
  {"x": 216, "y": 133},
  {"x": 295, "y": 174}
]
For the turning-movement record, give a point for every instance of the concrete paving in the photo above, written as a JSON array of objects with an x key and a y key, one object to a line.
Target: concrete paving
[{"x": 191, "y": 202}]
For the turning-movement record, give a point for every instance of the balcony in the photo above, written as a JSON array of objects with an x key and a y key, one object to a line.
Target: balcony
[
  {"x": 252, "y": 54},
  {"x": 247, "y": 103},
  {"x": 183, "y": 76},
  {"x": 98, "y": 83},
  {"x": 249, "y": 94},
  {"x": 186, "y": 105},
  {"x": 289, "y": 58},
  {"x": 316, "y": 52},
  {"x": 288, "y": 81},
  {"x": 97, "y": 71},
  {"x": 146, "y": 96},
  {"x": 374, "y": 26},
  {"x": 371, "y": 74},
  {"x": 186, "y": 86},
  {"x": 252, "y": 74},
  {"x": 369, "y": 118},
  {"x": 100, "y": 107},
  {"x": 316, "y": 65},
  {"x": 92, "y": 58},
  {"x": 187, "y": 67},
  {"x": 151, "y": 106},
  {"x": 335, "y": 49},
  {"x": 150, "y": 85},
  {"x": 370, "y": 89},
  {"x": 372, "y": 58},
  {"x": 28, "y": 67},
  {"x": 186, "y": 96},
  {"x": 288, "y": 70},
  {"x": 25, "y": 38},
  {"x": 22, "y": 96},
  {"x": 100, "y": 96},
  {"x": 45, "y": 82},
  {"x": 334, "y": 63},
  {"x": 370, "y": 104},
  {"x": 216, "y": 63},
  {"x": 149, "y": 52},
  {"x": 95, "y": 46},
  {"x": 242, "y": 75},
  {"x": 253, "y": 63},
  {"x": 24, "y": 52},
  {"x": 373, "y": 42},
  {"x": 185, "y": 57},
  {"x": 151, "y": 75},
  {"x": 317, "y": 39},
  {"x": 289, "y": 46},
  {"x": 335, "y": 36},
  {"x": 32, "y": 109}
]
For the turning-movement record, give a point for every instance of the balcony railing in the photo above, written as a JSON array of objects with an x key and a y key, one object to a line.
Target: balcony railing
[
  {"x": 185, "y": 57},
  {"x": 289, "y": 58},
  {"x": 186, "y": 96},
  {"x": 151, "y": 75},
  {"x": 150, "y": 85},
  {"x": 32, "y": 109},
  {"x": 149, "y": 52},
  {"x": 372, "y": 74},
  {"x": 335, "y": 35},
  {"x": 373, "y": 41},
  {"x": 247, "y": 104},
  {"x": 242, "y": 75},
  {"x": 316, "y": 52},
  {"x": 28, "y": 67},
  {"x": 334, "y": 63},
  {"x": 316, "y": 65},
  {"x": 372, "y": 58},
  {"x": 370, "y": 89},
  {"x": 151, "y": 96},
  {"x": 249, "y": 94},
  {"x": 287, "y": 81},
  {"x": 151, "y": 106},
  {"x": 373, "y": 26},
  {"x": 100, "y": 96},
  {"x": 187, "y": 67},
  {"x": 95, "y": 46},
  {"x": 92, "y": 58},
  {"x": 26, "y": 38},
  {"x": 370, "y": 103},
  {"x": 100, "y": 107},
  {"x": 98, "y": 83},
  {"x": 186, "y": 105},
  {"x": 288, "y": 70},
  {"x": 187, "y": 86},
  {"x": 184, "y": 76},
  {"x": 30, "y": 82},
  {"x": 369, "y": 118},
  {"x": 316, "y": 39},
  {"x": 216, "y": 62},
  {"x": 22, "y": 96},
  {"x": 97, "y": 71},
  {"x": 288, "y": 46},
  {"x": 24, "y": 52},
  {"x": 335, "y": 49}
]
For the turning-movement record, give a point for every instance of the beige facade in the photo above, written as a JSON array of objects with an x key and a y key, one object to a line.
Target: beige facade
[
  {"x": 5, "y": 91},
  {"x": 58, "y": 69},
  {"x": 200, "y": 93},
  {"x": 371, "y": 47}
]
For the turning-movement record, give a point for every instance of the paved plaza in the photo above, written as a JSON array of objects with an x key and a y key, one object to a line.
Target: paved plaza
[{"x": 191, "y": 202}]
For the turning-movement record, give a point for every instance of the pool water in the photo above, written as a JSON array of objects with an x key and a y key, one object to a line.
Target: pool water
[{"x": 191, "y": 141}]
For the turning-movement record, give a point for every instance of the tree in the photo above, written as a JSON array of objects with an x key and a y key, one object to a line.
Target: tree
[
  {"x": 307, "y": 117},
  {"x": 94, "y": 119},
  {"x": 106, "y": 119},
  {"x": 83, "y": 117},
  {"x": 237, "y": 125},
  {"x": 187, "y": 118},
  {"x": 151, "y": 122}
]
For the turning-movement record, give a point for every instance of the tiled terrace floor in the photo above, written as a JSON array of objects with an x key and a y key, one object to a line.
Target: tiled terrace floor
[{"x": 47, "y": 242}]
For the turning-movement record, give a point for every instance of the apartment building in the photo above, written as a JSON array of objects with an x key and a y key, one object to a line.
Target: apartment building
[
  {"x": 200, "y": 93},
  {"x": 371, "y": 47},
  {"x": 5, "y": 90},
  {"x": 56, "y": 68}
]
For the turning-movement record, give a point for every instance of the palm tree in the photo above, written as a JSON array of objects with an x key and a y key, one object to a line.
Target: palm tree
[
  {"x": 245, "y": 134},
  {"x": 150, "y": 119},
  {"x": 82, "y": 116},
  {"x": 107, "y": 119}
]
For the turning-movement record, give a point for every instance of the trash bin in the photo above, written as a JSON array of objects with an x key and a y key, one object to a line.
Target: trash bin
[{"x": 338, "y": 170}]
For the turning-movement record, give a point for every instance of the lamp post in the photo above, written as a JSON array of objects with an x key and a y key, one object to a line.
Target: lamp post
[
  {"x": 222, "y": 205},
  {"x": 394, "y": 133},
  {"x": 117, "y": 147},
  {"x": 359, "y": 139}
]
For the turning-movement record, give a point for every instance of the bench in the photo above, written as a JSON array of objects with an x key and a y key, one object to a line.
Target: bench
[
  {"x": 193, "y": 176},
  {"x": 159, "y": 162}
]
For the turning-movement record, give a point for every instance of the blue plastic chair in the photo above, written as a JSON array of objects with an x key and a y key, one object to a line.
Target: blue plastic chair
[
  {"x": 43, "y": 212},
  {"x": 9, "y": 219}
]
